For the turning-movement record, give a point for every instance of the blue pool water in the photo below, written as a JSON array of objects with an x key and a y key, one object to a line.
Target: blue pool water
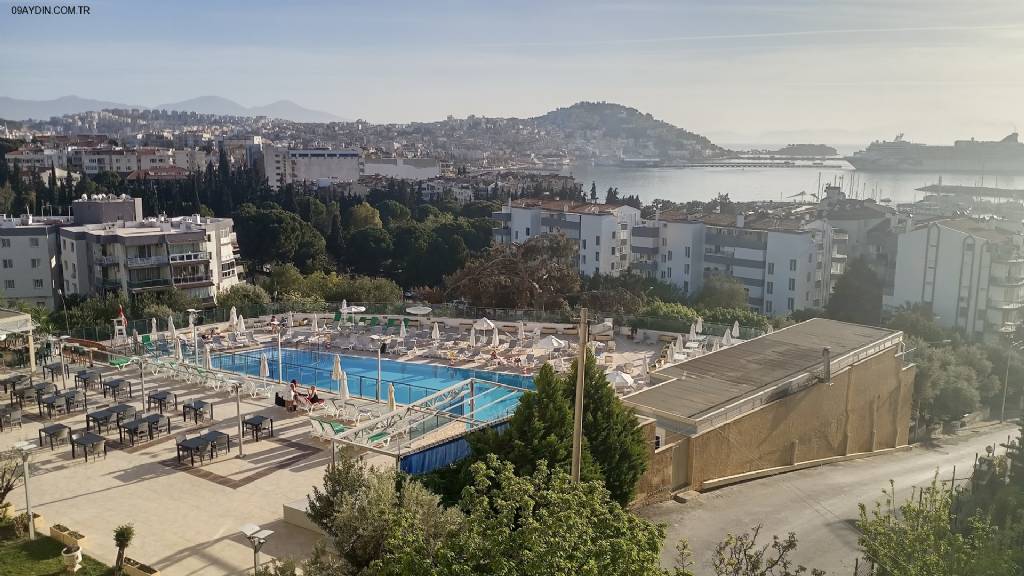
[{"x": 411, "y": 381}]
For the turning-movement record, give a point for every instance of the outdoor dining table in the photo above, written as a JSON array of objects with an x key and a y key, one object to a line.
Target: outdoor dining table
[
  {"x": 100, "y": 418},
  {"x": 151, "y": 422},
  {"x": 51, "y": 432},
  {"x": 54, "y": 368},
  {"x": 197, "y": 408},
  {"x": 160, "y": 398},
  {"x": 116, "y": 387},
  {"x": 255, "y": 424},
  {"x": 52, "y": 401},
  {"x": 85, "y": 440},
  {"x": 35, "y": 392},
  {"x": 122, "y": 412},
  {"x": 87, "y": 377},
  {"x": 200, "y": 442},
  {"x": 11, "y": 383}
]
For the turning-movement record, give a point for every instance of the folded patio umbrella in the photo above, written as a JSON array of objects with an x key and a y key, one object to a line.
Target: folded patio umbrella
[
  {"x": 736, "y": 329},
  {"x": 391, "y": 396},
  {"x": 401, "y": 329},
  {"x": 152, "y": 326},
  {"x": 232, "y": 318},
  {"x": 700, "y": 325},
  {"x": 494, "y": 337},
  {"x": 264, "y": 367},
  {"x": 472, "y": 336},
  {"x": 241, "y": 324},
  {"x": 177, "y": 349},
  {"x": 522, "y": 331},
  {"x": 170, "y": 326},
  {"x": 209, "y": 360},
  {"x": 435, "y": 334}
]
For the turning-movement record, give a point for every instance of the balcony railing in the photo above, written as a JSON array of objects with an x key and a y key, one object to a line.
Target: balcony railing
[
  {"x": 143, "y": 262},
  {"x": 188, "y": 280},
  {"x": 189, "y": 257},
  {"x": 645, "y": 231},
  {"x": 106, "y": 260},
  {"x": 147, "y": 284}
]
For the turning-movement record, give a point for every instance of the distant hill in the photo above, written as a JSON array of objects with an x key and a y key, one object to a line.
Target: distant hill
[
  {"x": 606, "y": 120},
  {"x": 15, "y": 109}
]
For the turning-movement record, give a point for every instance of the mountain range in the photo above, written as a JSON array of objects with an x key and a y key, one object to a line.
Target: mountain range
[{"x": 17, "y": 109}]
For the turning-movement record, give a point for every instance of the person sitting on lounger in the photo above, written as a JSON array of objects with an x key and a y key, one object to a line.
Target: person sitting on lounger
[{"x": 312, "y": 397}]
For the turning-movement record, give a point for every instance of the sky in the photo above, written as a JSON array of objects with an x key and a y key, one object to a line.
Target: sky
[{"x": 757, "y": 71}]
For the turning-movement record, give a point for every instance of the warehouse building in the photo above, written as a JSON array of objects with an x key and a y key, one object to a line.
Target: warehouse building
[{"x": 813, "y": 393}]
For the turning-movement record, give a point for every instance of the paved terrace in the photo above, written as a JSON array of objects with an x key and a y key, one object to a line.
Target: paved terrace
[{"x": 186, "y": 518}]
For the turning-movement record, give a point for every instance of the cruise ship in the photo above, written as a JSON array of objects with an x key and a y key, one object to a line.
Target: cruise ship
[{"x": 973, "y": 156}]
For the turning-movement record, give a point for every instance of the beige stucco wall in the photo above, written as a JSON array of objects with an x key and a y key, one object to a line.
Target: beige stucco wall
[{"x": 865, "y": 408}]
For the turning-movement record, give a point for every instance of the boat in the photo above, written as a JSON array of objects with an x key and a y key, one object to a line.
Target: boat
[{"x": 971, "y": 156}]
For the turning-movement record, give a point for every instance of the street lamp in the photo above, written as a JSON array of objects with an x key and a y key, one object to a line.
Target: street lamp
[
  {"x": 276, "y": 325},
  {"x": 238, "y": 407},
  {"x": 1007, "y": 329},
  {"x": 64, "y": 304},
  {"x": 257, "y": 537},
  {"x": 24, "y": 448}
]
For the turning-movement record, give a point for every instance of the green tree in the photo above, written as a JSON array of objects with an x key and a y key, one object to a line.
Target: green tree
[
  {"x": 392, "y": 213},
  {"x": 916, "y": 538},
  {"x": 721, "y": 291},
  {"x": 11, "y": 476},
  {"x": 362, "y": 216},
  {"x": 857, "y": 296},
  {"x": 248, "y": 299},
  {"x": 742, "y": 556},
  {"x": 369, "y": 250},
  {"x": 123, "y": 536}
]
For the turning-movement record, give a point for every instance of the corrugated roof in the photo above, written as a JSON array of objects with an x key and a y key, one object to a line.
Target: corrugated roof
[{"x": 703, "y": 384}]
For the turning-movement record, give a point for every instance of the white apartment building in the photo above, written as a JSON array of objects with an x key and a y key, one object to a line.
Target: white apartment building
[
  {"x": 30, "y": 259},
  {"x": 321, "y": 166},
  {"x": 194, "y": 254},
  {"x": 404, "y": 168},
  {"x": 193, "y": 159},
  {"x": 970, "y": 272},
  {"x": 92, "y": 161},
  {"x": 602, "y": 231},
  {"x": 783, "y": 264},
  {"x": 37, "y": 158},
  {"x": 435, "y": 190}
]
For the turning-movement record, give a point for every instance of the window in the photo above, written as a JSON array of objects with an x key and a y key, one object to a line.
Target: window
[
  {"x": 686, "y": 287},
  {"x": 789, "y": 304},
  {"x": 37, "y": 283},
  {"x": 670, "y": 271},
  {"x": 583, "y": 258},
  {"x": 662, "y": 274},
  {"x": 5, "y": 242},
  {"x": 584, "y": 241},
  {"x": 613, "y": 265},
  {"x": 770, "y": 288},
  {"x": 771, "y": 267},
  {"x": 664, "y": 258},
  {"x": 72, "y": 247},
  {"x": 669, "y": 255},
  {"x": 8, "y": 263},
  {"x": 36, "y": 262},
  {"x": 614, "y": 236},
  {"x": 34, "y": 242},
  {"x": 613, "y": 250},
  {"x": 527, "y": 230},
  {"x": 768, "y": 306},
  {"x": 9, "y": 284},
  {"x": 686, "y": 269},
  {"x": 792, "y": 264},
  {"x": 517, "y": 234},
  {"x": 810, "y": 258},
  {"x": 808, "y": 277},
  {"x": 597, "y": 240},
  {"x": 64, "y": 244},
  {"x": 792, "y": 284},
  {"x": 597, "y": 256},
  {"x": 687, "y": 251},
  {"x": 74, "y": 271},
  {"x": 664, "y": 241}
]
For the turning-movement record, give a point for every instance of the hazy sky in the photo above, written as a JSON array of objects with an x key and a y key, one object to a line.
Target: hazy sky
[{"x": 760, "y": 70}]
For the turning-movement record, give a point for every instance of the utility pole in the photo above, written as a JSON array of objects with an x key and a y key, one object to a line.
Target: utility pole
[{"x": 577, "y": 424}]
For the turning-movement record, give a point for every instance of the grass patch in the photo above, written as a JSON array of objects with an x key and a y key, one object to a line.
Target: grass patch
[{"x": 40, "y": 557}]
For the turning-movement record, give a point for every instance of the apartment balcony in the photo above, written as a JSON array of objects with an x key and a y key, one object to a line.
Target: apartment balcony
[
  {"x": 644, "y": 266},
  {"x": 110, "y": 283},
  {"x": 645, "y": 231},
  {"x": 186, "y": 257},
  {"x": 996, "y": 304},
  {"x": 106, "y": 260},
  {"x": 1007, "y": 281},
  {"x": 197, "y": 281},
  {"x": 560, "y": 223},
  {"x": 650, "y": 250},
  {"x": 501, "y": 216},
  {"x": 146, "y": 262},
  {"x": 151, "y": 284}
]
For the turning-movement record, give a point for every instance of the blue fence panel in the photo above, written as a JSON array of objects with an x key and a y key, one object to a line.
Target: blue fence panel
[{"x": 439, "y": 455}]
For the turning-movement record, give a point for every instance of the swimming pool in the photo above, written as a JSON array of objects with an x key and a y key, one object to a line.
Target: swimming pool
[{"x": 412, "y": 381}]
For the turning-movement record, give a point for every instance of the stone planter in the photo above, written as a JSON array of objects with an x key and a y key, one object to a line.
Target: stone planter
[
  {"x": 133, "y": 567},
  {"x": 72, "y": 557},
  {"x": 67, "y": 536},
  {"x": 37, "y": 523}
]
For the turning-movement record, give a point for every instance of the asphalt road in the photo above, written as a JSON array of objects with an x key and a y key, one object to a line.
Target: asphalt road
[{"x": 818, "y": 504}]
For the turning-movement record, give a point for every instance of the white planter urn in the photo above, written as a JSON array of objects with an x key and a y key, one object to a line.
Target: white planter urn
[{"x": 72, "y": 556}]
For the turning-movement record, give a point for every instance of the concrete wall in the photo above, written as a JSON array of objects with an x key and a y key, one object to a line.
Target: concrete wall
[{"x": 865, "y": 408}]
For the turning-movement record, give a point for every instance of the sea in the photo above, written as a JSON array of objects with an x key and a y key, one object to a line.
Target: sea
[{"x": 787, "y": 184}]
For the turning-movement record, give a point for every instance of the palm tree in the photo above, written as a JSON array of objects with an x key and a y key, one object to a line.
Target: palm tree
[{"x": 122, "y": 539}]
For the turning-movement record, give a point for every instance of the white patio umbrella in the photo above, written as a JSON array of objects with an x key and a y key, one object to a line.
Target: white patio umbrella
[
  {"x": 152, "y": 326},
  {"x": 401, "y": 329},
  {"x": 232, "y": 318},
  {"x": 536, "y": 331},
  {"x": 264, "y": 366},
  {"x": 419, "y": 310},
  {"x": 344, "y": 313},
  {"x": 472, "y": 336},
  {"x": 619, "y": 379},
  {"x": 170, "y": 326},
  {"x": 291, "y": 319},
  {"x": 483, "y": 324},
  {"x": 177, "y": 349},
  {"x": 736, "y": 329},
  {"x": 338, "y": 375},
  {"x": 241, "y": 324},
  {"x": 521, "y": 334},
  {"x": 770, "y": 329},
  {"x": 209, "y": 360},
  {"x": 550, "y": 343},
  {"x": 693, "y": 333},
  {"x": 391, "y": 396},
  {"x": 494, "y": 338},
  {"x": 435, "y": 334},
  {"x": 700, "y": 325},
  {"x": 727, "y": 339}
]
